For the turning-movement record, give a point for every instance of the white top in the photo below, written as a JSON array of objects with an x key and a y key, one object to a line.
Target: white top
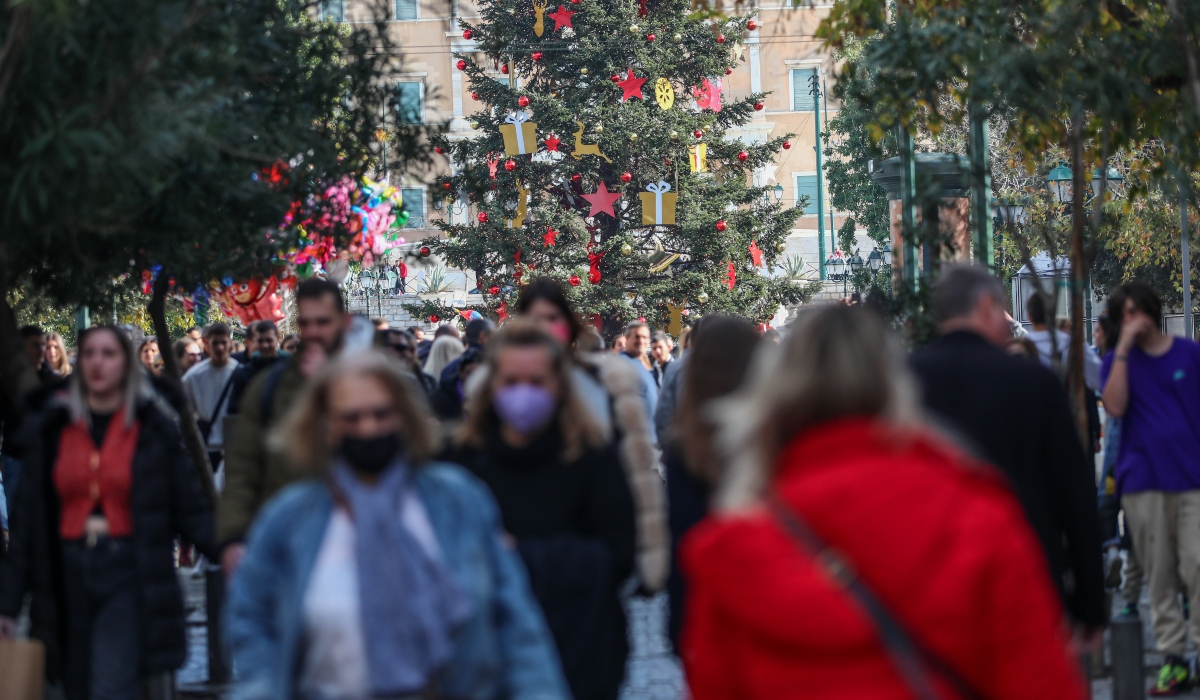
[
  {"x": 1091, "y": 360},
  {"x": 335, "y": 662},
  {"x": 204, "y": 384}
]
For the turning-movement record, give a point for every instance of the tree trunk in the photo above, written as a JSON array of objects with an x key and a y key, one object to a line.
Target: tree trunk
[
  {"x": 1075, "y": 380},
  {"x": 187, "y": 422},
  {"x": 17, "y": 374}
]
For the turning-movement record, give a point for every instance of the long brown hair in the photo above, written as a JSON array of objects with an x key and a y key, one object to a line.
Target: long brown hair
[
  {"x": 718, "y": 361},
  {"x": 578, "y": 429},
  {"x": 303, "y": 434},
  {"x": 134, "y": 387},
  {"x": 64, "y": 364}
]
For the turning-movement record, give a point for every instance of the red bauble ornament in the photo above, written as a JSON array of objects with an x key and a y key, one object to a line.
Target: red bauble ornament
[
  {"x": 666, "y": 161},
  {"x": 424, "y": 251},
  {"x": 576, "y": 177},
  {"x": 721, "y": 226},
  {"x": 728, "y": 71},
  {"x": 752, "y": 25},
  {"x": 615, "y": 78},
  {"x": 434, "y": 318},
  {"x": 461, "y": 65},
  {"x": 787, "y": 145},
  {"x": 439, "y": 150},
  {"x": 467, "y": 34},
  {"x": 504, "y": 68},
  {"x": 446, "y": 185},
  {"x": 742, "y": 156},
  {"x": 626, "y": 177},
  {"x": 494, "y": 289},
  {"x": 576, "y": 2},
  {"x": 523, "y": 101},
  {"x": 758, "y": 106},
  {"x": 650, "y": 37},
  {"x": 573, "y": 280},
  {"x": 475, "y": 96},
  {"x": 482, "y": 217},
  {"x": 510, "y": 165},
  {"x": 720, "y": 38},
  {"x": 537, "y": 55},
  {"x": 698, "y": 134}
]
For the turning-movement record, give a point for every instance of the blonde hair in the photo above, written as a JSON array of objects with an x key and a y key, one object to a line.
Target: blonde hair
[
  {"x": 135, "y": 386},
  {"x": 64, "y": 363},
  {"x": 302, "y": 436},
  {"x": 443, "y": 351},
  {"x": 574, "y": 421},
  {"x": 838, "y": 361}
]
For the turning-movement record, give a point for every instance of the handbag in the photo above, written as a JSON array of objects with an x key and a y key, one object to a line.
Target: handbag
[
  {"x": 915, "y": 662},
  {"x": 206, "y": 426},
  {"x": 22, "y": 669}
]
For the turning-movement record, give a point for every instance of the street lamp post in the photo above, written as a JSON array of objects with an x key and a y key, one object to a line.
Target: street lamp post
[
  {"x": 855, "y": 264},
  {"x": 816, "y": 93}
]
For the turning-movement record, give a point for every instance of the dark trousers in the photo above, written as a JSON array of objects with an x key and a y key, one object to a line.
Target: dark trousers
[{"x": 102, "y": 649}]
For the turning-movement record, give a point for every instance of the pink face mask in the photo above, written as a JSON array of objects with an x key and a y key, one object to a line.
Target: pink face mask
[{"x": 561, "y": 331}]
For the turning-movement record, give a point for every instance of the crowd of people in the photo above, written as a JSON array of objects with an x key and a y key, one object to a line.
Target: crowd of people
[{"x": 462, "y": 515}]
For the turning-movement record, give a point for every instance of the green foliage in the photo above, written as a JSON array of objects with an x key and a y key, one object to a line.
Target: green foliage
[
  {"x": 637, "y": 284},
  {"x": 140, "y": 133}
]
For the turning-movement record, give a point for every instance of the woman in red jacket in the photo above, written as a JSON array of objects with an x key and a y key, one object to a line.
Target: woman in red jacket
[{"x": 839, "y": 501}]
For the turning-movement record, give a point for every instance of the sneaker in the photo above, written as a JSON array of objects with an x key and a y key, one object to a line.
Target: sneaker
[
  {"x": 1112, "y": 580},
  {"x": 1173, "y": 679},
  {"x": 1130, "y": 610}
]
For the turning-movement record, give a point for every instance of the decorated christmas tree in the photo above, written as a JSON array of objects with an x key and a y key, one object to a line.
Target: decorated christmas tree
[{"x": 601, "y": 157}]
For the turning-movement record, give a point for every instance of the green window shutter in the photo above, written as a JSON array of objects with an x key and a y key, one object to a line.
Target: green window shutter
[
  {"x": 406, "y": 9},
  {"x": 807, "y": 185},
  {"x": 334, "y": 10},
  {"x": 409, "y": 109},
  {"x": 802, "y": 98},
  {"x": 414, "y": 204}
]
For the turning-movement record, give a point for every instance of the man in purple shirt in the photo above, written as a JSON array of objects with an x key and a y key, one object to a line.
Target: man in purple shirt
[{"x": 1152, "y": 381}]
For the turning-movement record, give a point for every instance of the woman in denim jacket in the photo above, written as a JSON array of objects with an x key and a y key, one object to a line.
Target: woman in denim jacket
[{"x": 387, "y": 576}]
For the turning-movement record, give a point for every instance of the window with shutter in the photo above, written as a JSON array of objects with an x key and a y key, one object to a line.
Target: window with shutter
[
  {"x": 807, "y": 185},
  {"x": 409, "y": 107},
  {"x": 414, "y": 204},
  {"x": 334, "y": 10},
  {"x": 802, "y": 97},
  {"x": 406, "y": 9}
]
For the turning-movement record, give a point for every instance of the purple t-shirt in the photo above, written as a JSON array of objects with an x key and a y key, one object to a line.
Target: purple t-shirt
[{"x": 1160, "y": 434}]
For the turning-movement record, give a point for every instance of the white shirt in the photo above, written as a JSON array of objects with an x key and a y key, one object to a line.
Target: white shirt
[
  {"x": 1091, "y": 360},
  {"x": 335, "y": 662},
  {"x": 204, "y": 384}
]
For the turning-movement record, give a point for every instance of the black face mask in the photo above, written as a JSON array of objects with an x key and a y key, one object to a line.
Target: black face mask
[{"x": 371, "y": 455}]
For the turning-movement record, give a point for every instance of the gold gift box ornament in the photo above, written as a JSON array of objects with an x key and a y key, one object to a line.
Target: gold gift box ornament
[
  {"x": 658, "y": 204},
  {"x": 520, "y": 134}
]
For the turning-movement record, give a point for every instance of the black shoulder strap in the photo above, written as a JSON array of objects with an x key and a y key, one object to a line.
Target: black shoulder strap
[
  {"x": 270, "y": 386},
  {"x": 912, "y": 660}
]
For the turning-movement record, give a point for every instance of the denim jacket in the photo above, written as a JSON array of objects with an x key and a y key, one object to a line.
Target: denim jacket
[{"x": 503, "y": 651}]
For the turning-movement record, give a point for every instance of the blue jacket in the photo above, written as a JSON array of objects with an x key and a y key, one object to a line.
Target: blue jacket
[{"x": 504, "y": 651}]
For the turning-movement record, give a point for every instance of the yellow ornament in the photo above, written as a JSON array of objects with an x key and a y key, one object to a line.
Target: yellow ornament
[
  {"x": 664, "y": 93},
  {"x": 539, "y": 11},
  {"x": 582, "y": 149},
  {"x": 474, "y": 124},
  {"x": 702, "y": 297},
  {"x": 633, "y": 136},
  {"x": 626, "y": 249},
  {"x": 674, "y": 135},
  {"x": 678, "y": 38},
  {"x": 583, "y": 71},
  {"x": 780, "y": 247},
  {"x": 599, "y": 129},
  {"x": 634, "y": 29},
  {"x": 706, "y": 128},
  {"x": 675, "y": 327},
  {"x": 698, "y": 157}
]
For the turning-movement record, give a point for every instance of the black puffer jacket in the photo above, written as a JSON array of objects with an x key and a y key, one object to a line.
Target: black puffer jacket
[{"x": 167, "y": 502}]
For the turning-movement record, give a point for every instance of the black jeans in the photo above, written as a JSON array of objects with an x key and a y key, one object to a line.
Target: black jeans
[{"x": 103, "y": 653}]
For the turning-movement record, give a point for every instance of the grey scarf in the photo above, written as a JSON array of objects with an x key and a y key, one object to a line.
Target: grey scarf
[{"x": 409, "y": 603}]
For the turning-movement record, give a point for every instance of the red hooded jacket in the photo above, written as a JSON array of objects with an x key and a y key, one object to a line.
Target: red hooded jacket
[{"x": 938, "y": 538}]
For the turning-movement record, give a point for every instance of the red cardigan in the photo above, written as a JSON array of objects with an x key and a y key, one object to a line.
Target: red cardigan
[
  {"x": 940, "y": 540},
  {"x": 85, "y": 476}
]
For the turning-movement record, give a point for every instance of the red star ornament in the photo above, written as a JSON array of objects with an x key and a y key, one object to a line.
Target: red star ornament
[
  {"x": 602, "y": 200},
  {"x": 755, "y": 254},
  {"x": 549, "y": 236},
  {"x": 632, "y": 87},
  {"x": 552, "y": 142},
  {"x": 562, "y": 18}
]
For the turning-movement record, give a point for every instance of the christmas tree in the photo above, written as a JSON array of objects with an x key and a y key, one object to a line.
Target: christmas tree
[{"x": 602, "y": 161}]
